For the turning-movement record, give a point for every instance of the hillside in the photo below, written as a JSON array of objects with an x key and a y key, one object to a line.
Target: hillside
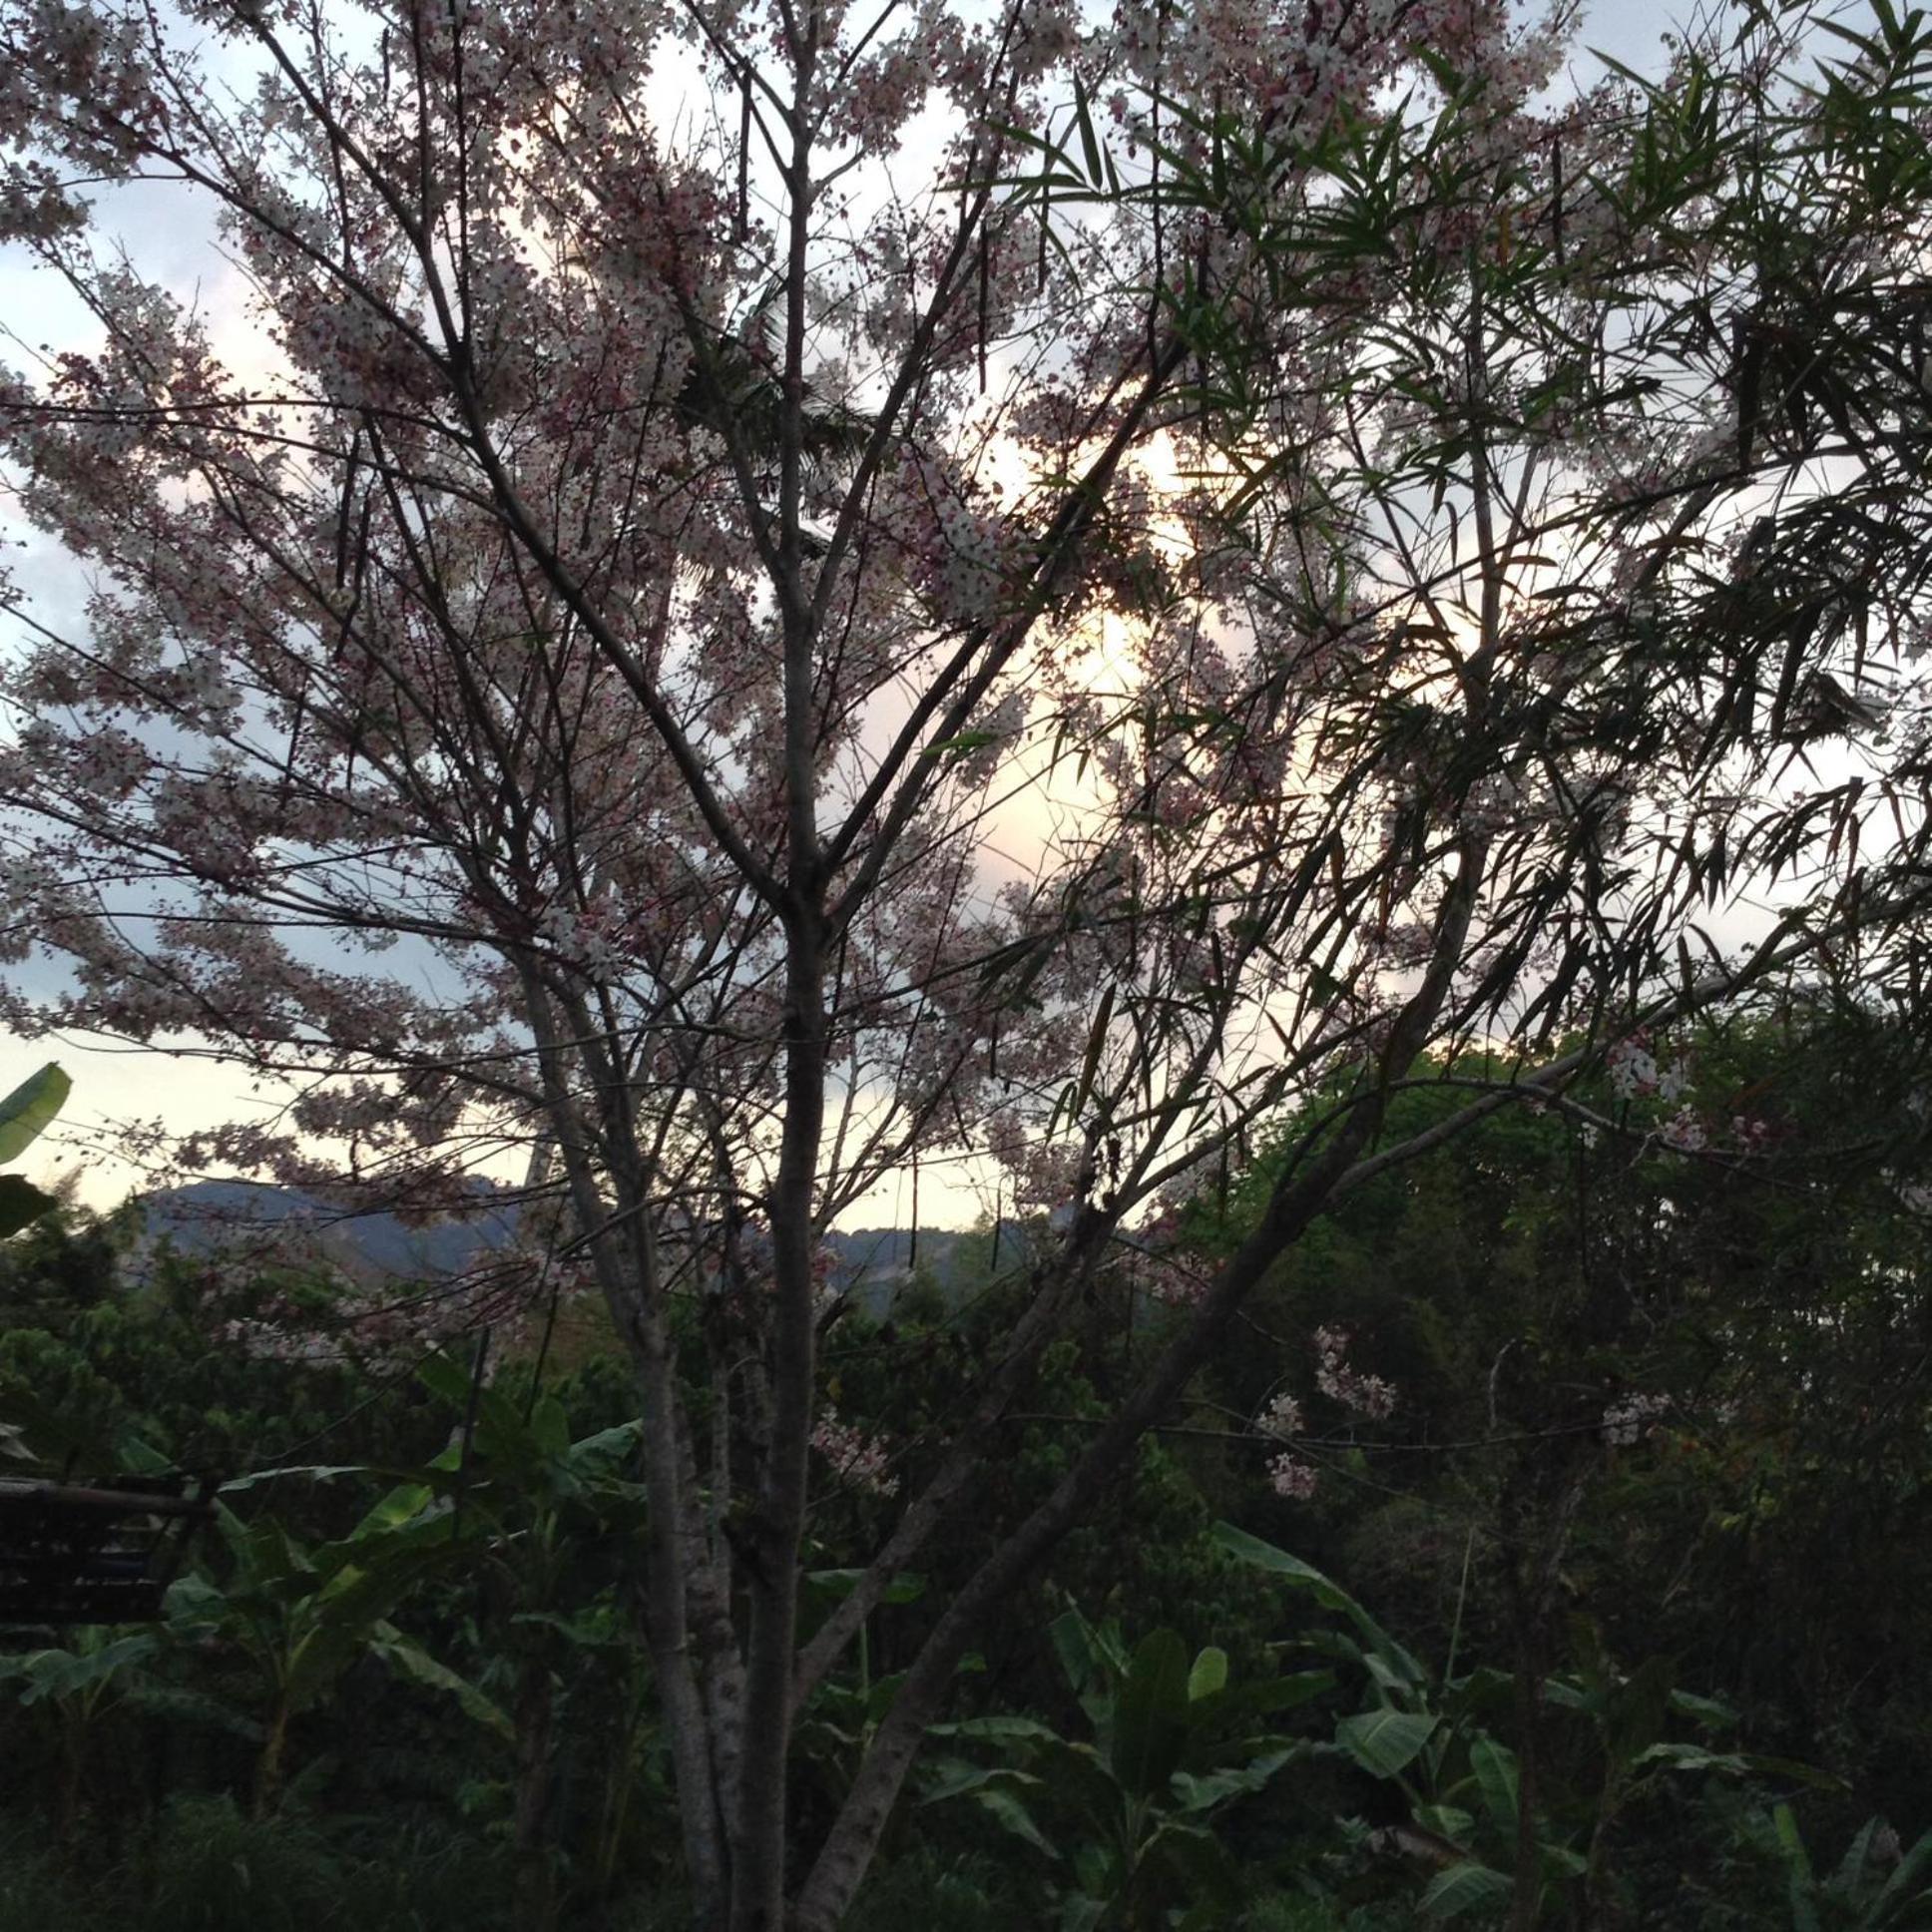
[{"x": 284, "y": 1225}]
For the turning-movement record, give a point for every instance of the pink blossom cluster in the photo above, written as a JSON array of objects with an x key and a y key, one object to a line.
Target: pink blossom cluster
[
  {"x": 1280, "y": 1420},
  {"x": 1367, "y": 1395},
  {"x": 1281, "y": 1416},
  {"x": 859, "y": 1460},
  {"x": 1684, "y": 1130},
  {"x": 1291, "y": 1479},
  {"x": 1636, "y": 1071}
]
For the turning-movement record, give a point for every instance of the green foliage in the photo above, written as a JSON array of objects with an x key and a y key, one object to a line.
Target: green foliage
[
  {"x": 38, "y": 1893},
  {"x": 25, "y": 1115},
  {"x": 92, "y": 1667},
  {"x": 407, "y": 1670},
  {"x": 1763, "y": 1299},
  {"x": 1129, "y": 1814},
  {"x": 1432, "y": 1737},
  {"x": 206, "y": 1866},
  {"x": 302, "y": 1616},
  {"x": 1875, "y": 1885},
  {"x": 942, "y": 1891},
  {"x": 213, "y": 1869}
]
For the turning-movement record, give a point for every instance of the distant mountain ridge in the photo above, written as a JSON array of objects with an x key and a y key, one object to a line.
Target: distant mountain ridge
[
  {"x": 208, "y": 1217},
  {"x": 287, "y": 1226}
]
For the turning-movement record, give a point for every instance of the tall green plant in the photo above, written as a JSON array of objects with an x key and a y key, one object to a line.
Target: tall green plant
[
  {"x": 1430, "y": 1735},
  {"x": 1128, "y": 1809},
  {"x": 303, "y": 1615},
  {"x": 1869, "y": 1891},
  {"x": 519, "y": 1504}
]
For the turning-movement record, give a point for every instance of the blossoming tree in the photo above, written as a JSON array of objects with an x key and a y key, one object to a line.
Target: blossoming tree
[{"x": 752, "y": 592}]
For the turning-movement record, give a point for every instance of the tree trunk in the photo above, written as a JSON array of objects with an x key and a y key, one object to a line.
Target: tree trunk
[{"x": 760, "y": 1839}]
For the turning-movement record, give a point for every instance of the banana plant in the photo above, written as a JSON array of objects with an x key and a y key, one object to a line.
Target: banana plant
[
  {"x": 1875, "y": 1887},
  {"x": 1428, "y": 1736},
  {"x": 301, "y": 1616},
  {"x": 77, "y": 1686},
  {"x": 534, "y": 1501},
  {"x": 102, "y": 1669},
  {"x": 1170, "y": 1743},
  {"x": 24, "y": 1116},
  {"x": 521, "y": 1503}
]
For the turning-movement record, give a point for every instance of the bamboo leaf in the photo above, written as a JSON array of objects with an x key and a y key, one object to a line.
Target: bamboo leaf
[{"x": 1095, "y": 1041}]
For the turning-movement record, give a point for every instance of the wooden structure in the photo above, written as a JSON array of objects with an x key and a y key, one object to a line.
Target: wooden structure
[{"x": 79, "y": 1553}]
